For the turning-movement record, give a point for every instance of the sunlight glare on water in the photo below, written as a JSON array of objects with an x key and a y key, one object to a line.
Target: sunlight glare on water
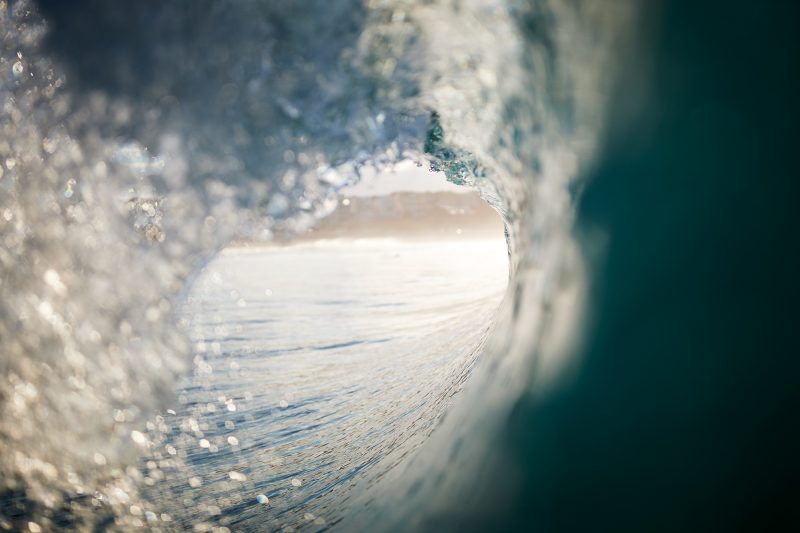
[{"x": 314, "y": 362}]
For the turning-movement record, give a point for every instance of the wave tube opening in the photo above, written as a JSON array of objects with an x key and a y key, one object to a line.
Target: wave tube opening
[
  {"x": 328, "y": 358},
  {"x": 140, "y": 140}
]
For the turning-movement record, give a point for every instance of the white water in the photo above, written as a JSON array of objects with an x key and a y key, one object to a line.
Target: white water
[{"x": 125, "y": 167}]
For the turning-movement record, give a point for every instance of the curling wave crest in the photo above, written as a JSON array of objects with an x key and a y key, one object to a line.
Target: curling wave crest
[{"x": 139, "y": 139}]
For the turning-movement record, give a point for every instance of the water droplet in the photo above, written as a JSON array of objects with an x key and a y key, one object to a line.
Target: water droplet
[
  {"x": 262, "y": 499},
  {"x": 277, "y": 206},
  {"x": 237, "y": 476},
  {"x": 296, "y": 482},
  {"x": 52, "y": 278},
  {"x": 49, "y": 145},
  {"x": 69, "y": 191},
  {"x": 138, "y": 437}
]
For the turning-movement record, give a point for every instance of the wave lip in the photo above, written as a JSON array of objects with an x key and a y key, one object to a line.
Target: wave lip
[{"x": 139, "y": 139}]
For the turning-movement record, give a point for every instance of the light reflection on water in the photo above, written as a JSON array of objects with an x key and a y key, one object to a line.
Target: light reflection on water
[{"x": 313, "y": 362}]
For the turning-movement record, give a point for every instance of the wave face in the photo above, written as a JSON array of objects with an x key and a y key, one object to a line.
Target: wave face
[{"x": 138, "y": 139}]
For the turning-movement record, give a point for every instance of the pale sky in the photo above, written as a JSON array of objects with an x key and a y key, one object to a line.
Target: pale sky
[{"x": 405, "y": 176}]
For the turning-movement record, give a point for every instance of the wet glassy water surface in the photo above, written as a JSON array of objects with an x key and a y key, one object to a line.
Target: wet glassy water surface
[{"x": 316, "y": 364}]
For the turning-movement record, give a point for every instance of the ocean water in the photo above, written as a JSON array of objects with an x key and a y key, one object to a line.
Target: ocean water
[
  {"x": 639, "y": 375},
  {"x": 140, "y": 138},
  {"x": 317, "y": 365}
]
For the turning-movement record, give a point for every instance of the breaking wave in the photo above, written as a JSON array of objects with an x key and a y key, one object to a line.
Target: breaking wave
[{"x": 139, "y": 139}]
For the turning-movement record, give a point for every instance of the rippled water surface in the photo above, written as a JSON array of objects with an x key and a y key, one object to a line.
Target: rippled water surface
[{"x": 314, "y": 363}]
